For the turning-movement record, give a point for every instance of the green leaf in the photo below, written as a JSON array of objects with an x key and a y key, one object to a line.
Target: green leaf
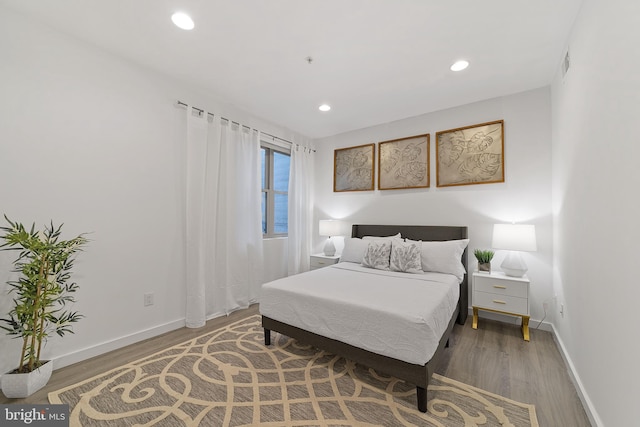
[{"x": 44, "y": 263}]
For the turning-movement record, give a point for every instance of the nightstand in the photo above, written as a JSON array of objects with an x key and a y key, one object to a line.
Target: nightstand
[
  {"x": 500, "y": 293},
  {"x": 322, "y": 260}
]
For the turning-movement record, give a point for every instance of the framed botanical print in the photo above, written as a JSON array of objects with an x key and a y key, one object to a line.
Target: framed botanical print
[
  {"x": 470, "y": 155},
  {"x": 353, "y": 168},
  {"x": 404, "y": 163}
]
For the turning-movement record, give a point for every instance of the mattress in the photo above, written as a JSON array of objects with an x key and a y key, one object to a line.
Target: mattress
[{"x": 399, "y": 315}]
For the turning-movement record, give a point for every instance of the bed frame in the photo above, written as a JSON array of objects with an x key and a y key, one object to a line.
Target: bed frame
[{"x": 420, "y": 375}]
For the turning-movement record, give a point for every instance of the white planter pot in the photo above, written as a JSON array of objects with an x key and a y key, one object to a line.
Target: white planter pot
[{"x": 23, "y": 385}]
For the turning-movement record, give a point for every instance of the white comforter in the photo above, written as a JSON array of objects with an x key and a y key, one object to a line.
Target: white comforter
[{"x": 399, "y": 315}]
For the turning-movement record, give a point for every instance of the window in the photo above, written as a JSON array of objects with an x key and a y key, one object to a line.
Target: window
[{"x": 275, "y": 190}]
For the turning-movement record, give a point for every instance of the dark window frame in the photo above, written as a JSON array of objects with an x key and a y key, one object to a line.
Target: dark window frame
[{"x": 269, "y": 190}]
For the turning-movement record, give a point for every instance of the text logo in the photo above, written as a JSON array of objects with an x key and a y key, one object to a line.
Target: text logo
[{"x": 34, "y": 415}]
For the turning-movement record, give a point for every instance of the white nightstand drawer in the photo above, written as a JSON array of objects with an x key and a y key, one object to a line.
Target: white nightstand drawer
[
  {"x": 498, "y": 292},
  {"x": 512, "y": 288},
  {"x": 319, "y": 261},
  {"x": 504, "y": 303}
]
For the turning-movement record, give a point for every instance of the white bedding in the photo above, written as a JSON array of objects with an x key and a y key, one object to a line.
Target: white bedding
[{"x": 399, "y": 315}]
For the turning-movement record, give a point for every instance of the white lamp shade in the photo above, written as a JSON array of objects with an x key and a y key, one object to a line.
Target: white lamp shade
[
  {"x": 514, "y": 237},
  {"x": 331, "y": 227}
]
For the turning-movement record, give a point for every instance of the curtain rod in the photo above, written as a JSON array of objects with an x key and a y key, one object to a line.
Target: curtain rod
[{"x": 200, "y": 110}]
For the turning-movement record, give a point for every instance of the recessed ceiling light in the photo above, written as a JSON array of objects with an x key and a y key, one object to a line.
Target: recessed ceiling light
[
  {"x": 182, "y": 20},
  {"x": 460, "y": 65},
  {"x": 324, "y": 107}
]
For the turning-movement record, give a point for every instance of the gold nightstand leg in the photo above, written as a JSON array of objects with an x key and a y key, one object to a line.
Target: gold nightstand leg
[
  {"x": 474, "y": 325},
  {"x": 525, "y": 327}
]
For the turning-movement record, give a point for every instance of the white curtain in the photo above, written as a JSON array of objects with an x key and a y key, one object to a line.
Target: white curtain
[
  {"x": 223, "y": 218},
  {"x": 300, "y": 208}
]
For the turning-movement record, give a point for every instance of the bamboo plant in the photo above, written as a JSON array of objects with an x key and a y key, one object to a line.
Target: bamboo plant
[{"x": 42, "y": 289}]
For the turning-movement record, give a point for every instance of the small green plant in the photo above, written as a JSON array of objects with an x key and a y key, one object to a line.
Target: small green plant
[
  {"x": 483, "y": 257},
  {"x": 42, "y": 290}
]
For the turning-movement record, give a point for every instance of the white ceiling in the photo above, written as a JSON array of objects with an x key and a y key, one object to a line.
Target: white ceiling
[{"x": 374, "y": 61}]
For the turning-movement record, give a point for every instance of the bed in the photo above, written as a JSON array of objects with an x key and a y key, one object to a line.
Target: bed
[{"x": 338, "y": 309}]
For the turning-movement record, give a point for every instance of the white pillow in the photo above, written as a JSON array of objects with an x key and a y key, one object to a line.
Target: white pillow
[
  {"x": 354, "y": 250},
  {"x": 444, "y": 257},
  {"x": 377, "y": 254},
  {"x": 405, "y": 257},
  {"x": 397, "y": 236}
]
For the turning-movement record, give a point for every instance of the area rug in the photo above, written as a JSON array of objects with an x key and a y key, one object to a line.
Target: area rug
[{"x": 228, "y": 377}]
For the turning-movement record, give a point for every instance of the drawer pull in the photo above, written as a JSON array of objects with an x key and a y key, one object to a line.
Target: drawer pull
[
  {"x": 497, "y": 301},
  {"x": 321, "y": 262},
  {"x": 499, "y": 287}
]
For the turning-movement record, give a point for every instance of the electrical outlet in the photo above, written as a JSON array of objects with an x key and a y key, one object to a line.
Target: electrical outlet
[
  {"x": 148, "y": 299},
  {"x": 545, "y": 306}
]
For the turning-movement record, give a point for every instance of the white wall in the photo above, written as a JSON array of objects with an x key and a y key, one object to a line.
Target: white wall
[
  {"x": 525, "y": 196},
  {"x": 95, "y": 142},
  {"x": 596, "y": 208}
]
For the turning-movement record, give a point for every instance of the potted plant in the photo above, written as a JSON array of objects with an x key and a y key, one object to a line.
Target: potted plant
[
  {"x": 484, "y": 259},
  {"x": 40, "y": 295}
]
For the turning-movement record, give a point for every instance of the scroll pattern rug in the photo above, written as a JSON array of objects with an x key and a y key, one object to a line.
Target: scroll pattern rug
[{"x": 229, "y": 378}]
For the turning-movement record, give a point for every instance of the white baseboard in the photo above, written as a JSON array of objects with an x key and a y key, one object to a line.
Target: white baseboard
[
  {"x": 592, "y": 414},
  {"x": 575, "y": 378},
  {"x": 97, "y": 350}
]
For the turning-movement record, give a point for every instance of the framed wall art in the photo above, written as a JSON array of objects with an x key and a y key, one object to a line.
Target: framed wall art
[
  {"x": 353, "y": 168},
  {"x": 404, "y": 163},
  {"x": 470, "y": 155}
]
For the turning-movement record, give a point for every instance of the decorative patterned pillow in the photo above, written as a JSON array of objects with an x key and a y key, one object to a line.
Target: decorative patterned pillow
[
  {"x": 405, "y": 257},
  {"x": 377, "y": 254}
]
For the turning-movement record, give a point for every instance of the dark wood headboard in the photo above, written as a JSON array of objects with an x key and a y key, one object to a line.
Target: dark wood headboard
[{"x": 425, "y": 233}]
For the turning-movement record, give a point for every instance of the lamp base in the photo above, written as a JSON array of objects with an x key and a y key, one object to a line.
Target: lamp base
[
  {"x": 513, "y": 265},
  {"x": 329, "y": 248}
]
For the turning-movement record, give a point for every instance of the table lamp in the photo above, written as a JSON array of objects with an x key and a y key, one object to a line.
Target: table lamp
[
  {"x": 329, "y": 228},
  {"x": 514, "y": 238}
]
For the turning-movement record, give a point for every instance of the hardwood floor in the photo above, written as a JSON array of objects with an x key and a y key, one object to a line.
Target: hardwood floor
[
  {"x": 494, "y": 358},
  {"x": 80, "y": 371}
]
